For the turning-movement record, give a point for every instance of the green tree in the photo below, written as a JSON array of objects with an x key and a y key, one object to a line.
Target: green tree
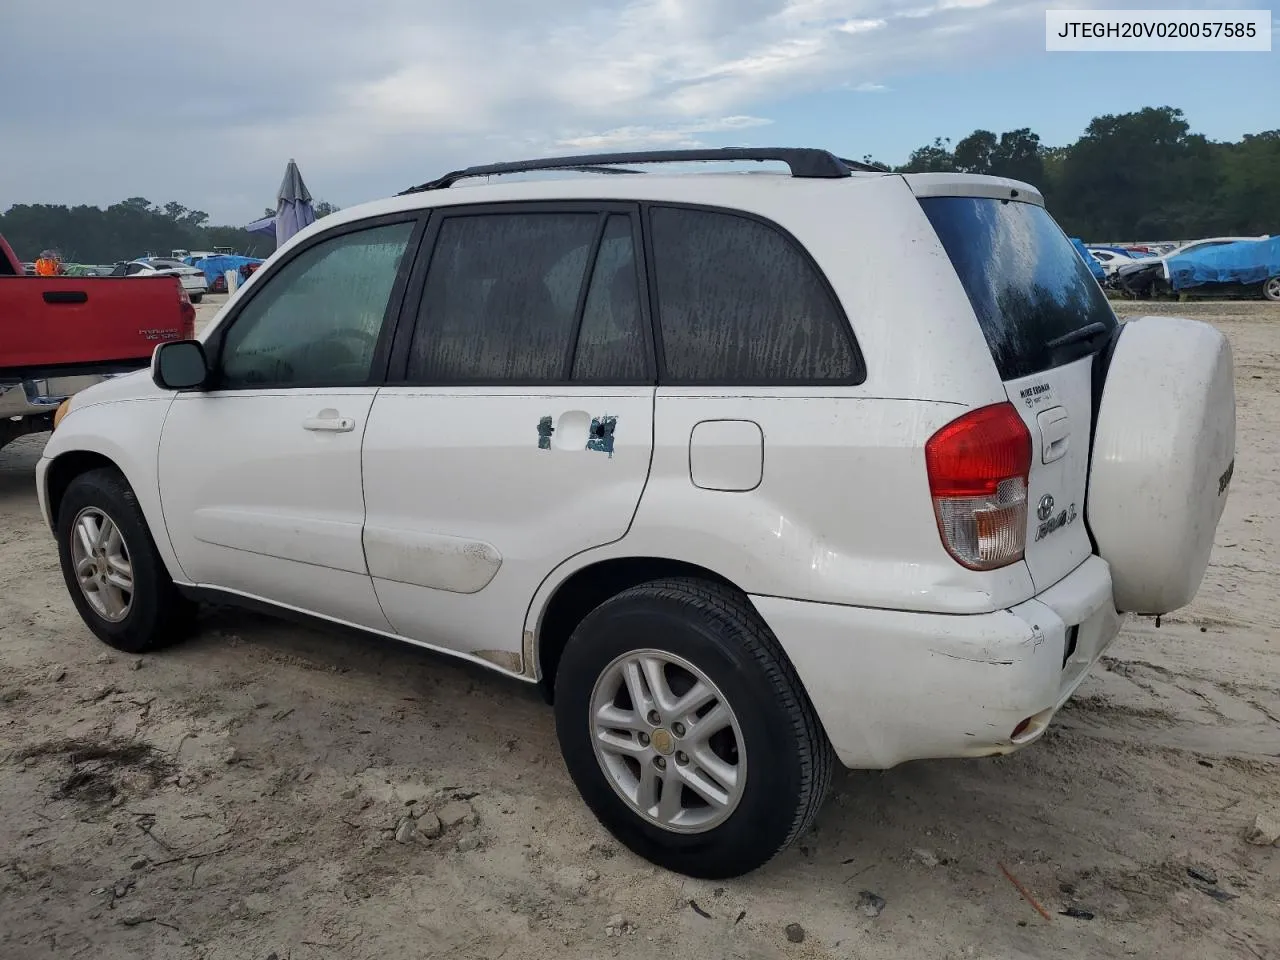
[
  {"x": 976, "y": 152},
  {"x": 1248, "y": 199},
  {"x": 934, "y": 158},
  {"x": 1138, "y": 174},
  {"x": 1017, "y": 156}
]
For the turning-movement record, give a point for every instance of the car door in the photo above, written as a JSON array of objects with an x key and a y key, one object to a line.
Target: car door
[
  {"x": 260, "y": 473},
  {"x": 521, "y": 431}
]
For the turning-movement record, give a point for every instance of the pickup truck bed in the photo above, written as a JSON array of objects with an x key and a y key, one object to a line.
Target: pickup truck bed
[
  {"x": 56, "y": 325},
  {"x": 52, "y": 326},
  {"x": 59, "y": 335}
]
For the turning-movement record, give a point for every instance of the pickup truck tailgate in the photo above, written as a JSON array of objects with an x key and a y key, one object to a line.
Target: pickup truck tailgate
[{"x": 51, "y": 325}]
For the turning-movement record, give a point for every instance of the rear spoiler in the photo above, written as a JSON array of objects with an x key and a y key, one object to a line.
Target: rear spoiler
[{"x": 972, "y": 185}]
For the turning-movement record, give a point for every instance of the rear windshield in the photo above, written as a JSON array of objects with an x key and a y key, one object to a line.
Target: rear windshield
[{"x": 1025, "y": 280}]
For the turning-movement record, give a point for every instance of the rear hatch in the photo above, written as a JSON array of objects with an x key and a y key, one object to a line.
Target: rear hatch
[{"x": 1044, "y": 317}]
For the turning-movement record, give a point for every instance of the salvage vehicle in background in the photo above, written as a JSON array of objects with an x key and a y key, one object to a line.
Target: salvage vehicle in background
[
  {"x": 59, "y": 335},
  {"x": 1251, "y": 267},
  {"x": 1109, "y": 260},
  {"x": 193, "y": 280},
  {"x": 745, "y": 488},
  {"x": 216, "y": 265},
  {"x": 1150, "y": 277}
]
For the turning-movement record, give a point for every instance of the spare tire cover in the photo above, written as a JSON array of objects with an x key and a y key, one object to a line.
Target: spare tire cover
[{"x": 1163, "y": 455}]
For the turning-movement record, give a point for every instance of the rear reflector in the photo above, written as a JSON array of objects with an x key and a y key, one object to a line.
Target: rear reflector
[{"x": 978, "y": 468}]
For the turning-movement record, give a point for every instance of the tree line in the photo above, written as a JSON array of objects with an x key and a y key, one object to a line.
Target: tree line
[
  {"x": 125, "y": 230},
  {"x": 1131, "y": 176}
]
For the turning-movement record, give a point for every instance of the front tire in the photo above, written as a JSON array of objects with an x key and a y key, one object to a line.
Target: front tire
[
  {"x": 113, "y": 572},
  {"x": 196, "y": 297},
  {"x": 1271, "y": 289},
  {"x": 687, "y": 731}
]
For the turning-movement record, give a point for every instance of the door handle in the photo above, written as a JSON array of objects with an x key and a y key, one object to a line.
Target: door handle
[
  {"x": 65, "y": 296},
  {"x": 1055, "y": 434},
  {"x": 328, "y": 421}
]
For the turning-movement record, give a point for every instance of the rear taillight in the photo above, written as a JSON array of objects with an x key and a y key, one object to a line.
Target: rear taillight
[
  {"x": 978, "y": 467},
  {"x": 188, "y": 311}
]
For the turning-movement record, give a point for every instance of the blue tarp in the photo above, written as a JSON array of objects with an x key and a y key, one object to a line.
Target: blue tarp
[
  {"x": 1245, "y": 262},
  {"x": 1094, "y": 266},
  {"x": 215, "y": 267}
]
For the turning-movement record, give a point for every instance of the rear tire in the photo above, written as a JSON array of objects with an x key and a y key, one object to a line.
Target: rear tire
[
  {"x": 196, "y": 297},
  {"x": 766, "y": 762},
  {"x": 115, "y": 576},
  {"x": 1271, "y": 289}
]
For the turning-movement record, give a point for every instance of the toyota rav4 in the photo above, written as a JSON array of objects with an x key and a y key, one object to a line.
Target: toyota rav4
[{"x": 752, "y": 473}]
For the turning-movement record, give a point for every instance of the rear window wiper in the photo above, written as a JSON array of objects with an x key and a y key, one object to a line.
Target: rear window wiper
[{"x": 1088, "y": 333}]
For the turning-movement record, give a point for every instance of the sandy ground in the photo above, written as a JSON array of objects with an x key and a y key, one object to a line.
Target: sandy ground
[{"x": 238, "y": 796}]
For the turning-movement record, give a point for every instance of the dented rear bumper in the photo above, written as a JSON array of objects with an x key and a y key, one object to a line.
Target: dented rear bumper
[{"x": 891, "y": 686}]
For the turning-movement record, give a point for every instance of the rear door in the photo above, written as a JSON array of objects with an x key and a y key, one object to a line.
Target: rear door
[
  {"x": 521, "y": 430},
  {"x": 1044, "y": 317}
]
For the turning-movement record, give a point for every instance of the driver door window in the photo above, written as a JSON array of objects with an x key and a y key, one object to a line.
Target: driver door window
[{"x": 316, "y": 322}]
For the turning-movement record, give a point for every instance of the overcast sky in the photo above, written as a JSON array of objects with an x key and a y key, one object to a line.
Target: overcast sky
[{"x": 205, "y": 104}]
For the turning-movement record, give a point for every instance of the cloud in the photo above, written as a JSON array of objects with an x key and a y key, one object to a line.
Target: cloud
[
  {"x": 370, "y": 98},
  {"x": 639, "y": 138}
]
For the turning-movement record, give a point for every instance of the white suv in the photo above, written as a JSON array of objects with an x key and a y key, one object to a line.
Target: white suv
[{"x": 751, "y": 473}]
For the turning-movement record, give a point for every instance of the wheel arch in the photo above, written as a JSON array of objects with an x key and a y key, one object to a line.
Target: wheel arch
[
  {"x": 579, "y": 591},
  {"x": 64, "y": 468},
  {"x": 126, "y": 440}
]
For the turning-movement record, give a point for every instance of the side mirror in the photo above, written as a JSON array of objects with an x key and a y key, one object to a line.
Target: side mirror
[{"x": 179, "y": 365}]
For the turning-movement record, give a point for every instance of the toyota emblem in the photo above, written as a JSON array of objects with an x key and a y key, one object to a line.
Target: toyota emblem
[{"x": 1045, "y": 510}]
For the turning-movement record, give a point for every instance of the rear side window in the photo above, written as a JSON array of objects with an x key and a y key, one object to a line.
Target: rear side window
[
  {"x": 740, "y": 303},
  {"x": 501, "y": 298},
  {"x": 1027, "y": 284}
]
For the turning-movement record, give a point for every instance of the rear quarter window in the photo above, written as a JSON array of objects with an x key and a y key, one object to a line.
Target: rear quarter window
[
  {"x": 1027, "y": 284},
  {"x": 740, "y": 303}
]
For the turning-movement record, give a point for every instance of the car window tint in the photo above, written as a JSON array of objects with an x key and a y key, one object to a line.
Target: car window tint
[
  {"x": 317, "y": 321},
  {"x": 611, "y": 341},
  {"x": 1024, "y": 279},
  {"x": 739, "y": 303},
  {"x": 500, "y": 298}
]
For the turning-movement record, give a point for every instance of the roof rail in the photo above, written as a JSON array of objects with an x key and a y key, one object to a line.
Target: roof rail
[{"x": 804, "y": 162}]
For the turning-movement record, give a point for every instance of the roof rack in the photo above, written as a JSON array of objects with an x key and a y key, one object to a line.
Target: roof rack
[{"x": 804, "y": 162}]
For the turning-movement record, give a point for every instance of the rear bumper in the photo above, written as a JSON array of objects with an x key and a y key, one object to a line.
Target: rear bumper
[
  {"x": 30, "y": 398},
  {"x": 892, "y": 686}
]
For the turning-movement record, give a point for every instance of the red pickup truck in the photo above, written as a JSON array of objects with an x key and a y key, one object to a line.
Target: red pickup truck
[{"x": 59, "y": 335}]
